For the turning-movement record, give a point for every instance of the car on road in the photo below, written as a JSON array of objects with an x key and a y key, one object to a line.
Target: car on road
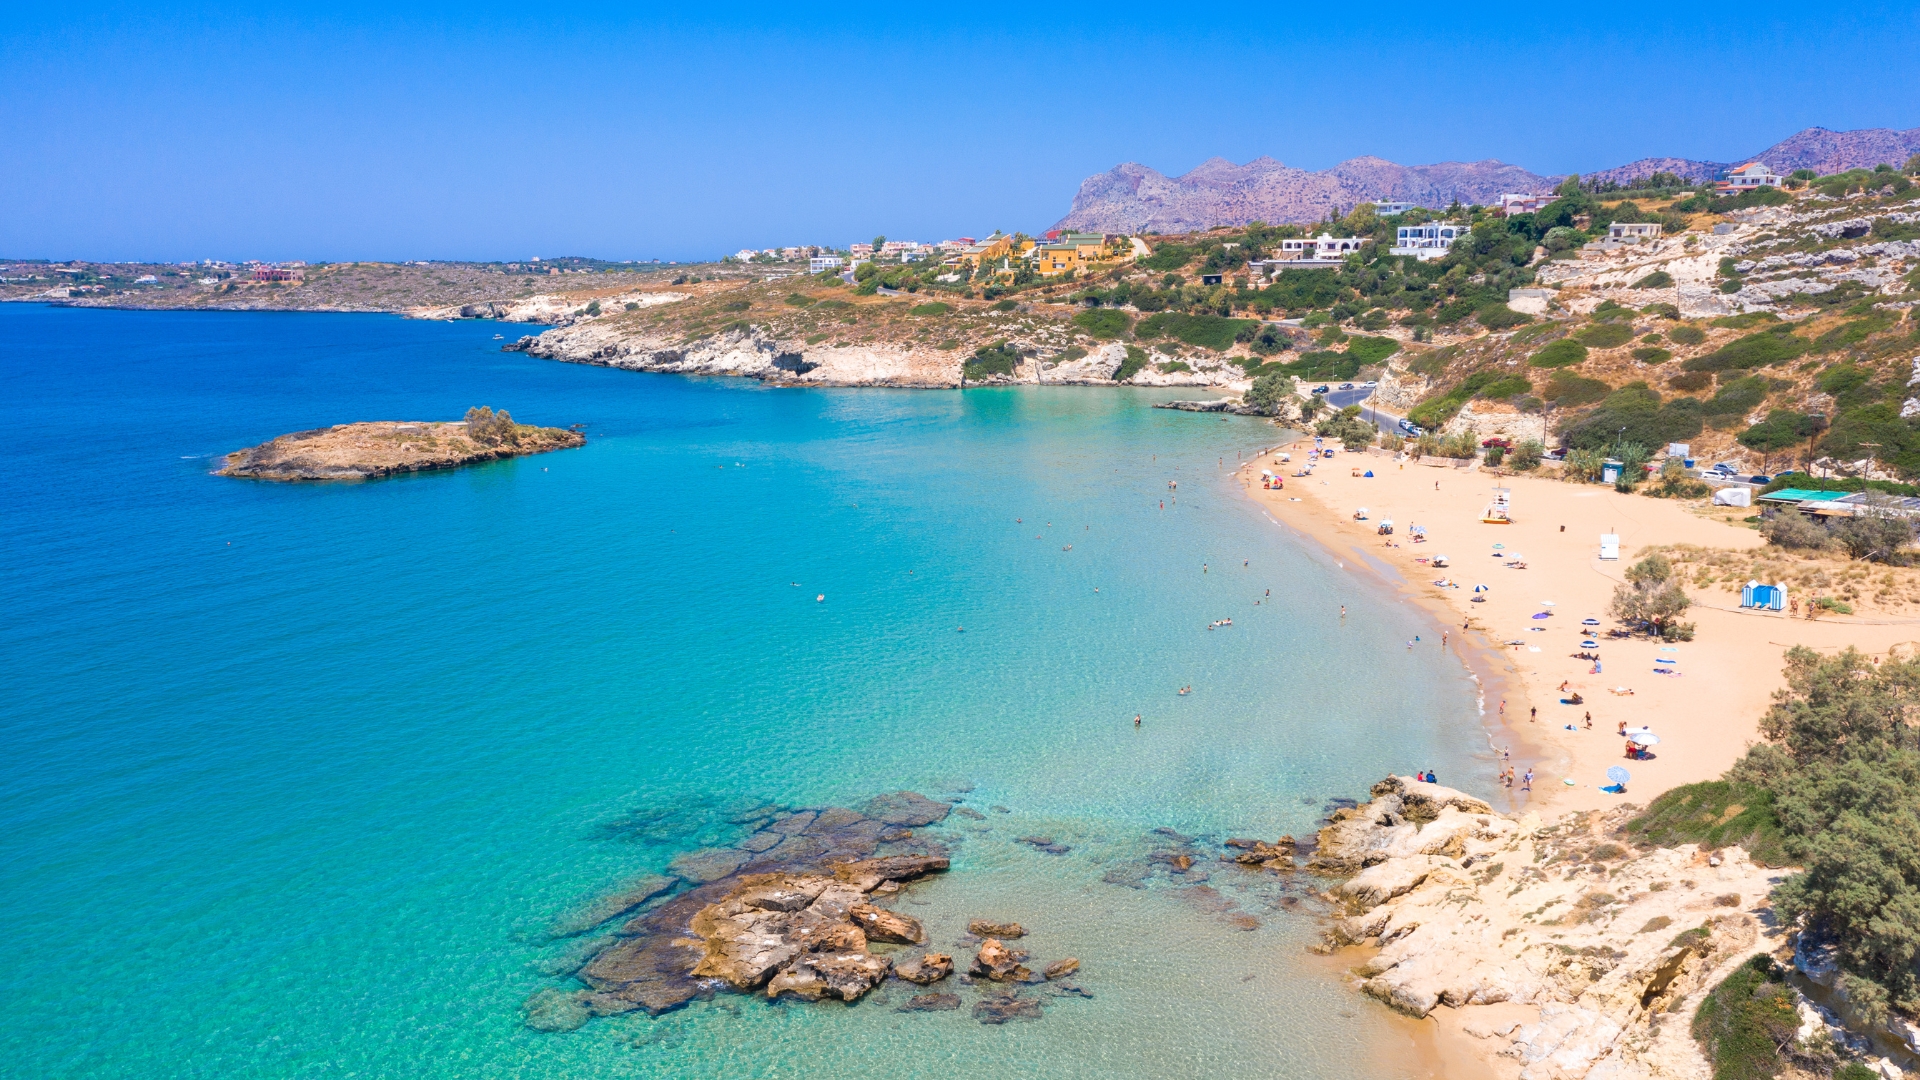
[
  {"x": 1759, "y": 478},
  {"x": 1724, "y": 471},
  {"x": 1370, "y": 384},
  {"x": 1346, "y": 386},
  {"x": 1320, "y": 389}
]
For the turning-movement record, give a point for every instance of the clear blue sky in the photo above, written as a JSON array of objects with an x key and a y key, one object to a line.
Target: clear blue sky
[{"x": 177, "y": 131}]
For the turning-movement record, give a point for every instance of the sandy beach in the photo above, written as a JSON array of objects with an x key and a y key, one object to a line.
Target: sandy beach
[{"x": 1706, "y": 715}]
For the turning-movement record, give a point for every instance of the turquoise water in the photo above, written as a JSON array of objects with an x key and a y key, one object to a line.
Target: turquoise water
[{"x": 297, "y": 776}]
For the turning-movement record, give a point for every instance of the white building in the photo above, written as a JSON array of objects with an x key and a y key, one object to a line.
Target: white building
[
  {"x": 745, "y": 254},
  {"x": 1324, "y": 246},
  {"x": 1633, "y": 232},
  {"x": 820, "y": 263},
  {"x": 1427, "y": 242},
  {"x": 1525, "y": 203},
  {"x": 1389, "y": 209},
  {"x": 895, "y": 247},
  {"x": 1754, "y": 174}
]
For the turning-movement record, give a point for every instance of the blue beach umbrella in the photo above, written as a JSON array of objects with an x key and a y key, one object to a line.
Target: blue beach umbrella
[{"x": 1618, "y": 775}]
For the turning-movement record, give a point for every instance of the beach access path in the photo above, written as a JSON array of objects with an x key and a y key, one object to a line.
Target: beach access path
[{"x": 1705, "y": 716}]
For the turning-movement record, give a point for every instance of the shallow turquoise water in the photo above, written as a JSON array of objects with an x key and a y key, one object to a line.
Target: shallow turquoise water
[{"x": 298, "y": 775}]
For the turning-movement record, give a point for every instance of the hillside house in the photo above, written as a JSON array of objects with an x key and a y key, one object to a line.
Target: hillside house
[
  {"x": 1634, "y": 232},
  {"x": 1389, "y": 209},
  {"x": 860, "y": 251},
  {"x": 1427, "y": 242},
  {"x": 1525, "y": 203},
  {"x": 1050, "y": 259},
  {"x": 821, "y": 263},
  {"x": 1754, "y": 174},
  {"x": 1322, "y": 247},
  {"x": 278, "y": 273}
]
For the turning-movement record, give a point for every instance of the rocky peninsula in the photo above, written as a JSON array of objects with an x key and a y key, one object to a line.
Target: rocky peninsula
[
  {"x": 364, "y": 451},
  {"x": 1561, "y": 949}
]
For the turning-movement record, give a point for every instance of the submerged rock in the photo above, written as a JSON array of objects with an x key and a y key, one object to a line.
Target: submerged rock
[
  {"x": 999, "y": 1009},
  {"x": 931, "y": 1003},
  {"x": 610, "y": 907},
  {"x": 1062, "y": 968},
  {"x": 557, "y": 1010},
  {"x": 925, "y": 970},
  {"x": 883, "y": 925},
  {"x": 908, "y": 808},
  {"x": 985, "y": 929}
]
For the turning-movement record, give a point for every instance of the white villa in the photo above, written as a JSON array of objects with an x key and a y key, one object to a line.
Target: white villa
[
  {"x": 1754, "y": 174},
  {"x": 1427, "y": 242},
  {"x": 1324, "y": 246},
  {"x": 1525, "y": 203},
  {"x": 1389, "y": 209},
  {"x": 823, "y": 262},
  {"x": 1633, "y": 232}
]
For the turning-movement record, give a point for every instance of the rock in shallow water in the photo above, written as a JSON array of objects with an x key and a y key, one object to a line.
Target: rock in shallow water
[
  {"x": 908, "y": 808},
  {"x": 556, "y": 1010},
  {"x": 993, "y": 960},
  {"x": 931, "y": 1003},
  {"x": 883, "y": 925},
  {"x": 925, "y": 970},
  {"x": 711, "y": 864},
  {"x": 985, "y": 929},
  {"x": 1000, "y": 1009},
  {"x": 610, "y": 907}
]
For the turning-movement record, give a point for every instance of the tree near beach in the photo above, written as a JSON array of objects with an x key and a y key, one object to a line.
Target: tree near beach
[{"x": 1653, "y": 600}]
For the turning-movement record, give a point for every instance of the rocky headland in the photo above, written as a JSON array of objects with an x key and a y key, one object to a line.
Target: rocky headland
[
  {"x": 1565, "y": 948},
  {"x": 364, "y": 451}
]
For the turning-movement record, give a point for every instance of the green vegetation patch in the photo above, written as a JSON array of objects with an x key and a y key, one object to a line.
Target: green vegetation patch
[
  {"x": 1324, "y": 364},
  {"x": 1714, "y": 814},
  {"x": 1609, "y": 335},
  {"x": 1105, "y": 324},
  {"x": 1435, "y": 411},
  {"x": 799, "y": 299},
  {"x": 1214, "y": 332},
  {"x": 1764, "y": 349},
  {"x": 1570, "y": 391},
  {"x": 1371, "y": 350},
  {"x": 1003, "y": 305},
  {"x": 1746, "y": 321},
  {"x": 998, "y": 358},
  {"x": 1635, "y": 414},
  {"x": 1659, "y": 279},
  {"x": 1131, "y": 366},
  {"x": 1687, "y": 335},
  {"x": 1563, "y": 353},
  {"x": 1650, "y": 354},
  {"x": 1498, "y": 316},
  {"x": 1745, "y": 1021},
  {"x": 1167, "y": 257},
  {"x": 934, "y": 307}
]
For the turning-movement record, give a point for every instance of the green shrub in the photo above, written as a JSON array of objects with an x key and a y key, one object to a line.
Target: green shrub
[
  {"x": 1606, "y": 335},
  {"x": 1659, "y": 279},
  {"x": 1563, "y": 353},
  {"x": 1498, "y": 316},
  {"x": 489, "y": 428},
  {"x": 1206, "y": 331},
  {"x": 1324, "y": 364},
  {"x": 1746, "y": 1020},
  {"x": 1691, "y": 381},
  {"x": 1570, "y": 391},
  {"x": 1104, "y": 324},
  {"x": 1136, "y": 359},
  {"x": 1665, "y": 311},
  {"x": 1372, "y": 350},
  {"x": 934, "y": 307},
  {"x": 799, "y": 299},
  {"x": 1004, "y": 305},
  {"x": 1168, "y": 367},
  {"x": 1268, "y": 391},
  {"x": 736, "y": 305},
  {"x": 1745, "y": 321},
  {"x": 1167, "y": 257},
  {"x": 1511, "y": 386},
  {"x": 1687, "y": 335},
  {"x": 999, "y": 358},
  {"x": 1738, "y": 397},
  {"x": 815, "y": 339},
  {"x": 1764, "y": 349},
  {"x": 946, "y": 346},
  {"x": 1714, "y": 814},
  {"x": 1648, "y": 354}
]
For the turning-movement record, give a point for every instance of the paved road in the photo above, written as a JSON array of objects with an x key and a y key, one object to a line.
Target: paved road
[{"x": 1340, "y": 399}]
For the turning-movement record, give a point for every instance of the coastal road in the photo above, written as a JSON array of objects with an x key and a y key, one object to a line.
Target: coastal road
[{"x": 1340, "y": 399}]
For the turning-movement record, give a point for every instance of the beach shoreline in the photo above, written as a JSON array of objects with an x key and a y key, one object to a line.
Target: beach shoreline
[{"x": 1707, "y": 715}]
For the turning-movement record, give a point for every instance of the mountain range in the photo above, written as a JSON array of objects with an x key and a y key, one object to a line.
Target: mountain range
[{"x": 1135, "y": 198}]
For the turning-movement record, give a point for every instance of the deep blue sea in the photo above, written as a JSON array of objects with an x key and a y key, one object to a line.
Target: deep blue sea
[{"x": 297, "y": 776}]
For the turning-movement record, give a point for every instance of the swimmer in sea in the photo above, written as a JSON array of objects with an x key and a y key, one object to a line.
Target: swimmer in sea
[{"x": 1136, "y": 719}]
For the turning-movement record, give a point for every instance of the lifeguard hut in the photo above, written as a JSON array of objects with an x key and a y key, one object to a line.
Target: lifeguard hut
[{"x": 1500, "y": 510}]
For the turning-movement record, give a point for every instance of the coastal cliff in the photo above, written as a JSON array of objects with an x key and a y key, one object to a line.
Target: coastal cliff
[
  {"x": 1564, "y": 949},
  {"x": 364, "y": 451}
]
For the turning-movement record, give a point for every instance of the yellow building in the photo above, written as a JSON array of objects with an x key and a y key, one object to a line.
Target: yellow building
[{"x": 1051, "y": 259}]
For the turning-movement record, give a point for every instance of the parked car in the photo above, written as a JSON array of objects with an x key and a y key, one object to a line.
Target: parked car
[
  {"x": 1370, "y": 384},
  {"x": 1724, "y": 470},
  {"x": 1758, "y": 478},
  {"x": 1320, "y": 389},
  {"x": 1504, "y": 444},
  {"x": 1346, "y": 386}
]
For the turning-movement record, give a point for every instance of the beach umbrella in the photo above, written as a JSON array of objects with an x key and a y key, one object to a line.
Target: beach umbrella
[
  {"x": 1667, "y": 648},
  {"x": 1659, "y": 660},
  {"x": 1479, "y": 588},
  {"x": 1499, "y": 547},
  {"x": 1589, "y": 622},
  {"x": 1546, "y": 603},
  {"x": 1589, "y": 643},
  {"x": 1543, "y": 615},
  {"x": 1643, "y": 738},
  {"x": 1618, "y": 775}
]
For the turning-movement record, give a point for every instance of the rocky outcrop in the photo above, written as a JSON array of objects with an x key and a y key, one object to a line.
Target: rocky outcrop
[
  {"x": 365, "y": 451},
  {"x": 926, "y": 969},
  {"x": 749, "y": 353},
  {"x": 1459, "y": 907},
  {"x": 993, "y": 960}
]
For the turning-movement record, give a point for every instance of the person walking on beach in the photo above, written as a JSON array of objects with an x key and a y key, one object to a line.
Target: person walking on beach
[
  {"x": 1589, "y": 721},
  {"x": 1533, "y": 714},
  {"x": 1526, "y": 781},
  {"x": 1443, "y": 639}
]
